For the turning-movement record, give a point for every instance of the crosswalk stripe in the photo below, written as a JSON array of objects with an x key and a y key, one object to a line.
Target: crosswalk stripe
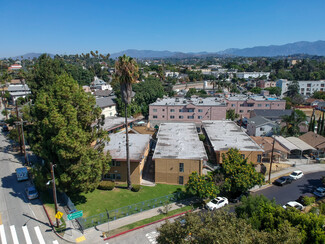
[
  {"x": 3, "y": 235},
  {"x": 39, "y": 235},
  {"x": 55, "y": 242},
  {"x": 26, "y": 234},
  {"x": 14, "y": 234}
]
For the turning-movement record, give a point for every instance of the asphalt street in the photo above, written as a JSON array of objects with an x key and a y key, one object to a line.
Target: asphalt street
[
  {"x": 21, "y": 220},
  {"x": 291, "y": 192}
]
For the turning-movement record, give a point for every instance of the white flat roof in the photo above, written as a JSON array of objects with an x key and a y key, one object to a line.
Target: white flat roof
[
  {"x": 224, "y": 134},
  {"x": 179, "y": 140},
  {"x": 287, "y": 144},
  {"x": 138, "y": 143}
]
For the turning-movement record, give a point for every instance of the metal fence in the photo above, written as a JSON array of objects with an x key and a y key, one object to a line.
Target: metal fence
[{"x": 129, "y": 210}]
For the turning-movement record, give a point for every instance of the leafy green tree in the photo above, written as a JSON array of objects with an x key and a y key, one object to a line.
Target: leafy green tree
[
  {"x": 274, "y": 90},
  {"x": 239, "y": 175},
  {"x": 126, "y": 69},
  {"x": 319, "y": 95},
  {"x": 293, "y": 89},
  {"x": 190, "y": 92},
  {"x": 293, "y": 122},
  {"x": 62, "y": 133},
  {"x": 221, "y": 227},
  {"x": 231, "y": 114},
  {"x": 256, "y": 90},
  {"x": 201, "y": 186}
]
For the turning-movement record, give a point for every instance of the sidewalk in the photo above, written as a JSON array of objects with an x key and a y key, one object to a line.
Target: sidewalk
[{"x": 305, "y": 168}]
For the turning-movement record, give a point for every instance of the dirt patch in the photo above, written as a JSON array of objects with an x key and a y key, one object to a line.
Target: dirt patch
[
  {"x": 50, "y": 211},
  {"x": 143, "y": 130}
]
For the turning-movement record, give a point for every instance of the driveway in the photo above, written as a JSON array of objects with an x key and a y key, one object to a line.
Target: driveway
[{"x": 286, "y": 193}]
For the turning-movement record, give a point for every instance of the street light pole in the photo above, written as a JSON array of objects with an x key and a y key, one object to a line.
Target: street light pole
[{"x": 54, "y": 194}]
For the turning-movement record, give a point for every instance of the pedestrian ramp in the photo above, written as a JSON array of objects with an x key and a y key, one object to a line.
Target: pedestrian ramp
[{"x": 23, "y": 234}]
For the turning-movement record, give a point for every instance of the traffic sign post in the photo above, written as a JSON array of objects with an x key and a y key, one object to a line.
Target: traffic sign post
[
  {"x": 58, "y": 215},
  {"x": 75, "y": 215}
]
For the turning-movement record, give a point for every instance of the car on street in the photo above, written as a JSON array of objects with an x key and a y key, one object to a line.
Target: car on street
[
  {"x": 31, "y": 192},
  {"x": 297, "y": 174},
  {"x": 22, "y": 174},
  {"x": 283, "y": 181},
  {"x": 294, "y": 204},
  {"x": 216, "y": 203},
  {"x": 319, "y": 192}
]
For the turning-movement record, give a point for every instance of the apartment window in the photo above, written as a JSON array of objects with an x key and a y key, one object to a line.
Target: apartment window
[
  {"x": 172, "y": 110},
  {"x": 163, "y": 116},
  {"x": 259, "y": 105},
  {"x": 190, "y": 117},
  {"x": 309, "y": 85},
  {"x": 243, "y": 156},
  {"x": 233, "y": 105},
  {"x": 154, "y": 110},
  {"x": 113, "y": 176},
  {"x": 155, "y": 116},
  {"x": 259, "y": 158},
  {"x": 181, "y": 180},
  {"x": 241, "y": 111},
  {"x": 181, "y": 110},
  {"x": 116, "y": 163},
  {"x": 321, "y": 85},
  {"x": 199, "y": 117},
  {"x": 190, "y": 110},
  {"x": 172, "y": 117},
  {"x": 200, "y": 110},
  {"x": 302, "y": 89},
  {"x": 181, "y": 167},
  {"x": 261, "y": 129},
  {"x": 181, "y": 117},
  {"x": 267, "y": 105}
]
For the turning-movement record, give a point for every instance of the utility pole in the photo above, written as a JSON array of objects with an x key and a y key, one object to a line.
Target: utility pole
[
  {"x": 18, "y": 129},
  {"x": 54, "y": 194},
  {"x": 271, "y": 159}
]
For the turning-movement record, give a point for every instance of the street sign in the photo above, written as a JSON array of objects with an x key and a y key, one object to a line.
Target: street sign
[
  {"x": 75, "y": 215},
  {"x": 59, "y": 215}
]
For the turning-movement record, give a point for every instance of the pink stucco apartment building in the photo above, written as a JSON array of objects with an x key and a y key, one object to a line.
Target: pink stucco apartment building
[{"x": 197, "y": 109}]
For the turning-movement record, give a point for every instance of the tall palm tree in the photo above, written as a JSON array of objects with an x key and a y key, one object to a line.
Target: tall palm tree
[
  {"x": 293, "y": 121},
  {"x": 126, "y": 71}
]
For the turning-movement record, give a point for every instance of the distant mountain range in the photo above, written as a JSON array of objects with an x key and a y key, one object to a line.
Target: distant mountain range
[{"x": 303, "y": 47}]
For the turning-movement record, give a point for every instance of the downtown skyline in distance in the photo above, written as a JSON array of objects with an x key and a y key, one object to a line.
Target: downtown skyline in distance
[{"x": 69, "y": 27}]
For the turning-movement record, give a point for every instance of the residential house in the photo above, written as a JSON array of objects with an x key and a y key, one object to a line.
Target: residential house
[
  {"x": 265, "y": 84},
  {"x": 316, "y": 141},
  {"x": 138, "y": 152},
  {"x": 260, "y": 126},
  {"x": 15, "y": 67},
  {"x": 223, "y": 134},
  {"x": 108, "y": 106},
  {"x": 266, "y": 143},
  {"x": 16, "y": 91},
  {"x": 178, "y": 153},
  {"x": 86, "y": 88},
  {"x": 297, "y": 147},
  {"x": 252, "y": 75},
  {"x": 117, "y": 124},
  {"x": 99, "y": 84},
  {"x": 273, "y": 115}
]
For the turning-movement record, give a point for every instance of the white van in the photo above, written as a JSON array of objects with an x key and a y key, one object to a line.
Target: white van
[{"x": 22, "y": 174}]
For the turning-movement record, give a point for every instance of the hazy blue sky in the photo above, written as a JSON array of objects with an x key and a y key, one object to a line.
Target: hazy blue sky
[{"x": 75, "y": 26}]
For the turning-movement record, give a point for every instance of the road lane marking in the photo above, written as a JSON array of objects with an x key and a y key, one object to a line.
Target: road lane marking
[
  {"x": 39, "y": 235},
  {"x": 14, "y": 234},
  {"x": 55, "y": 242},
  {"x": 3, "y": 235},
  {"x": 26, "y": 234}
]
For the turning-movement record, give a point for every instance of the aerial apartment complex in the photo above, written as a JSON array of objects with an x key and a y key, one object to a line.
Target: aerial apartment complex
[
  {"x": 306, "y": 88},
  {"x": 197, "y": 109}
]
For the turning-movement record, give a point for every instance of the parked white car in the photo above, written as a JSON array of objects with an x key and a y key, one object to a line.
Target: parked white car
[
  {"x": 297, "y": 174},
  {"x": 294, "y": 204},
  {"x": 216, "y": 203}
]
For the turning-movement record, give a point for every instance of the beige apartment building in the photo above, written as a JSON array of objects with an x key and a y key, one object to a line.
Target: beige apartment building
[
  {"x": 223, "y": 135},
  {"x": 178, "y": 153},
  {"x": 139, "y": 149}
]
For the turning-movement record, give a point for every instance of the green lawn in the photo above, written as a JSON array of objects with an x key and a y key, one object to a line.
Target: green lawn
[{"x": 98, "y": 201}]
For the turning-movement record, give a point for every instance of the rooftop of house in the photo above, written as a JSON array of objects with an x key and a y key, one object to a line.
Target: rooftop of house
[
  {"x": 138, "y": 143},
  {"x": 224, "y": 134},
  {"x": 97, "y": 82},
  {"x": 179, "y": 140},
  {"x": 313, "y": 139},
  {"x": 102, "y": 93},
  {"x": 210, "y": 101},
  {"x": 260, "y": 120},
  {"x": 271, "y": 114},
  {"x": 18, "y": 88},
  {"x": 104, "y": 102},
  {"x": 266, "y": 144},
  {"x": 115, "y": 122}
]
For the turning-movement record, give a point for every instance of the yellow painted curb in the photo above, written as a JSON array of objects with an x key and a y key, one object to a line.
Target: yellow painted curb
[
  {"x": 0, "y": 220},
  {"x": 80, "y": 239}
]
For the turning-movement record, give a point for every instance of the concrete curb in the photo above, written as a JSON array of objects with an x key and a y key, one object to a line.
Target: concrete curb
[
  {"x": 52, "y": 226},
  {"x": 142, "y": 226}
]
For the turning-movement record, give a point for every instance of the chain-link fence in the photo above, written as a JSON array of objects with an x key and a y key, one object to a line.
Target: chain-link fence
[{"x": 129, "y": 210}]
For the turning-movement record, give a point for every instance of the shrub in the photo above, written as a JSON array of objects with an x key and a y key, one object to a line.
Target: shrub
[
  {"x": 136, "y": 188},
  {"x": 308, "y": 200},
  {"x": 106, "y": 185},
  {"x": 201, "y": 137}
]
